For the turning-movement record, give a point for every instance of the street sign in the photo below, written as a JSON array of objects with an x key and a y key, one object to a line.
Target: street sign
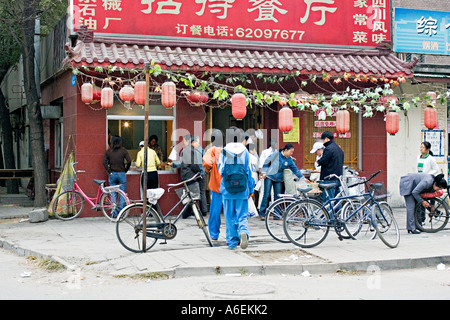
[
  {"x": 421, "y": 31},
  {"x": 356, "y": 23}
]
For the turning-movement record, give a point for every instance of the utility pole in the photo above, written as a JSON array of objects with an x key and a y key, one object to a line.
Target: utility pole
[{"x": 144, "y": 187}]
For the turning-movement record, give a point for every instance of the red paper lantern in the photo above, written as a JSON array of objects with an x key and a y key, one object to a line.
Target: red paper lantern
[
  {"x": 285, "y": 119},
  {"x": 385, "y": 100},
  {"x": 343, "y": 121},
  {"x": 239, "y": 106},
  {"x": 139, "y": 92},
  {"x": 87, "y": 92},
  {"x": 392, "y": 122},
  {"x": 430, "y": 117},
  {"x": 197, "y": 98},
  {"x": 168, "y": 94},
  {"x": 107, "y": 99},
  {"x": 126, "y": 93}
]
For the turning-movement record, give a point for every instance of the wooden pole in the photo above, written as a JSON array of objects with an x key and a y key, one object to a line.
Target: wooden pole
[{"x": 144, "y": 187}]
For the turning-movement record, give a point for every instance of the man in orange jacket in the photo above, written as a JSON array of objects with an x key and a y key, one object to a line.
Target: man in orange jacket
[{"x": 210, "y": 163}]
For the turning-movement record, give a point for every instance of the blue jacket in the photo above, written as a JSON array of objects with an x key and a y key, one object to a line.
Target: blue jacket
[
  {"x": 244, "y": 157},
  {"x": 274, "y": 169}
]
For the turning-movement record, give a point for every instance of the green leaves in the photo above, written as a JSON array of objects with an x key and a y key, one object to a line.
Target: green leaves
[{"x": 223, "y": 85}]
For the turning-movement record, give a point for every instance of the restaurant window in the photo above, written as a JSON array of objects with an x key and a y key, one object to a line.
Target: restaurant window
[
  {"x": 129, "y": 124},
  {"x": 314, "y": 125}
]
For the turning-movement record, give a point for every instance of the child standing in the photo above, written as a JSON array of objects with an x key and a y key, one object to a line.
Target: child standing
[{"x": 236, "y": 187}]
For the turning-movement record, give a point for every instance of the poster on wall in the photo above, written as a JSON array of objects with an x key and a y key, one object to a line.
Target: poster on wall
[
  {"x": 353, "y": 23},
  {"x": 294, "y": 134},
  {"x": 437, "y": 140}
]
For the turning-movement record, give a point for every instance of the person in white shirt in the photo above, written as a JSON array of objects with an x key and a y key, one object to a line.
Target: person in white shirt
[
  {"x": 318, "y": 150},
  {"x": 252, "y": 211},
  {"x": 426, "y": 163},
  {"x": 262, "y": 158}
]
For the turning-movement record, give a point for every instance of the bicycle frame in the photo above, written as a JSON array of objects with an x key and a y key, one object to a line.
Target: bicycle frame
[
  {"x": 338, "y": 200},
  {"x": 185, "y": 207},
  {"x": 89, "y": 199}
]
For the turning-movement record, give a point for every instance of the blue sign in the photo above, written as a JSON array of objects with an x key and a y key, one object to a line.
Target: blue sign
[
  {"x": 421, "y": 31},
  {"x": 73, "y": 80}
]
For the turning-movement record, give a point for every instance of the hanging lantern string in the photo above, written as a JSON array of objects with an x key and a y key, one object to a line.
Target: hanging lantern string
[{"x": 364, "y": 97}]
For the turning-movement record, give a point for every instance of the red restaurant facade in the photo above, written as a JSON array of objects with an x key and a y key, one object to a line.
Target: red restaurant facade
[{"x": 300, "y": 63}]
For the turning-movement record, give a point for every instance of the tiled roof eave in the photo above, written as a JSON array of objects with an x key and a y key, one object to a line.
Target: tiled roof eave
[{"x": 103, "y": 54}]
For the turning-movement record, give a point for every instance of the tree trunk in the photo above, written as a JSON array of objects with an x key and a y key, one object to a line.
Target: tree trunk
[
  {"x": 33, "y": 106},
  {"x": 12, "y": 186}
]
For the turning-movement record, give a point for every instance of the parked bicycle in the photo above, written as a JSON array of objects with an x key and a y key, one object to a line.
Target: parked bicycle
[
  {"x": 276, "y": 210},
  {"x": 307, "y": 223},
  {"x": 130, "y": 227},
  {"x": 435, "y": 217},
  {"x": 69, "y": 204}
]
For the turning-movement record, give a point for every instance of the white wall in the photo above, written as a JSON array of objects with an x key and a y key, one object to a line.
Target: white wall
[{"x": 403, "y": 148}]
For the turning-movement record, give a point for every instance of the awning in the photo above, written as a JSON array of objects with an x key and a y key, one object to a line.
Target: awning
[{"x": 92, "y": 52}]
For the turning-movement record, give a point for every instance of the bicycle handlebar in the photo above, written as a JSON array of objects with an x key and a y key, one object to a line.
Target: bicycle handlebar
[
  {"x": 373, "y": 175},
  {"x": 73, "y": 168},
  {"x": 185, "y": 181}
]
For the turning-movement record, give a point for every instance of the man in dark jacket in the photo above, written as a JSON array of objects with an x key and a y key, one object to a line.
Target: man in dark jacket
[
  {"x": 332, "y": 161},
  {"x": 191, "y": 164}
]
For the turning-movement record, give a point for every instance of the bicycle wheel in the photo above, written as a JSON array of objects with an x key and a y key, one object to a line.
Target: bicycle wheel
[
  {"x": 305, "y": 223},
  {"x": 129, "y": 228},
  {"x": 274, "y": 218},
  {"x": 110, "y": 201},
  {"x": 68, "y": 205},
  {"x": 385, "y": 224},
  {"x": 201, "y": 222},
  {"x": 431, "y": 219},
  {"x": 352, "y": 219}
]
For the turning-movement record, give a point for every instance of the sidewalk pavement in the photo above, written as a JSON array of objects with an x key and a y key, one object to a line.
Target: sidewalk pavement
[{"x": 91, "y": 243}]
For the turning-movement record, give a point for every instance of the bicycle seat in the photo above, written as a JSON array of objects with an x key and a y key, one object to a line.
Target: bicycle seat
[
  {"x": 153, "y": 195},
  {"x": 327, "y": 186},
  {"x": 99, "y": 182},
  {"x": 304, "y": 190}
]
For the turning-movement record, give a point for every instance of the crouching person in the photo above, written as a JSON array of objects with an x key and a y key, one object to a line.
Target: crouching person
[{"x": 236, "y": 187}]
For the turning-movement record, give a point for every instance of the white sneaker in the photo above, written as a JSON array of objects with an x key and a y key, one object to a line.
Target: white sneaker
[{"x": 244, "y": 240}]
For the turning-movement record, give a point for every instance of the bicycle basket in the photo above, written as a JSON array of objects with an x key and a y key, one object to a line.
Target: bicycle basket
[
  {"x": 67, "y": 182},
  {"x": 381, "y": 194},
  {"x": 194, "y": 190},
  {"x": 356, "y": 190}
]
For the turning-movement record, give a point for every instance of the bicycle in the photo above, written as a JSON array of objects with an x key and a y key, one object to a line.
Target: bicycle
[
  {"x": 276, "y": 210},
  {"x": 69, "y": 204},
  {"x": 130, "y": 227},
  {"x": 307, "y": 223},
  {"x": 435, "y": 217}
]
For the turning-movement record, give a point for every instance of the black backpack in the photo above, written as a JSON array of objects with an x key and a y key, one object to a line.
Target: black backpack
[{"x": 234, "y": 175}]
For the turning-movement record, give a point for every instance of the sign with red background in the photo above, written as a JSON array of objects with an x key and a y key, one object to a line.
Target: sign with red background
[{"x": 360, "y": 23}]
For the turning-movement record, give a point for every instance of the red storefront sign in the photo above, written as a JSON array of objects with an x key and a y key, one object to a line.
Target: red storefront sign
[{"x": 360, "y": 23}]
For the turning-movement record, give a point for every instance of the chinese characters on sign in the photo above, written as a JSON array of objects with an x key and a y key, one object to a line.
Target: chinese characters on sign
[
  {"x": 361, "y": 22},
  {"x": 422, "y": 31},
  {"x": 374, "y": 15},
  {"x": 437, "y": 140}
]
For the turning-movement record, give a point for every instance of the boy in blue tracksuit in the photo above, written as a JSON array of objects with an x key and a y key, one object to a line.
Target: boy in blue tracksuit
[{"x": 235, "y": 205}]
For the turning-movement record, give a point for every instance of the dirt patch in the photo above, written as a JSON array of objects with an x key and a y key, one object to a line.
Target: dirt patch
[{"x": 284, "y": 257}]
